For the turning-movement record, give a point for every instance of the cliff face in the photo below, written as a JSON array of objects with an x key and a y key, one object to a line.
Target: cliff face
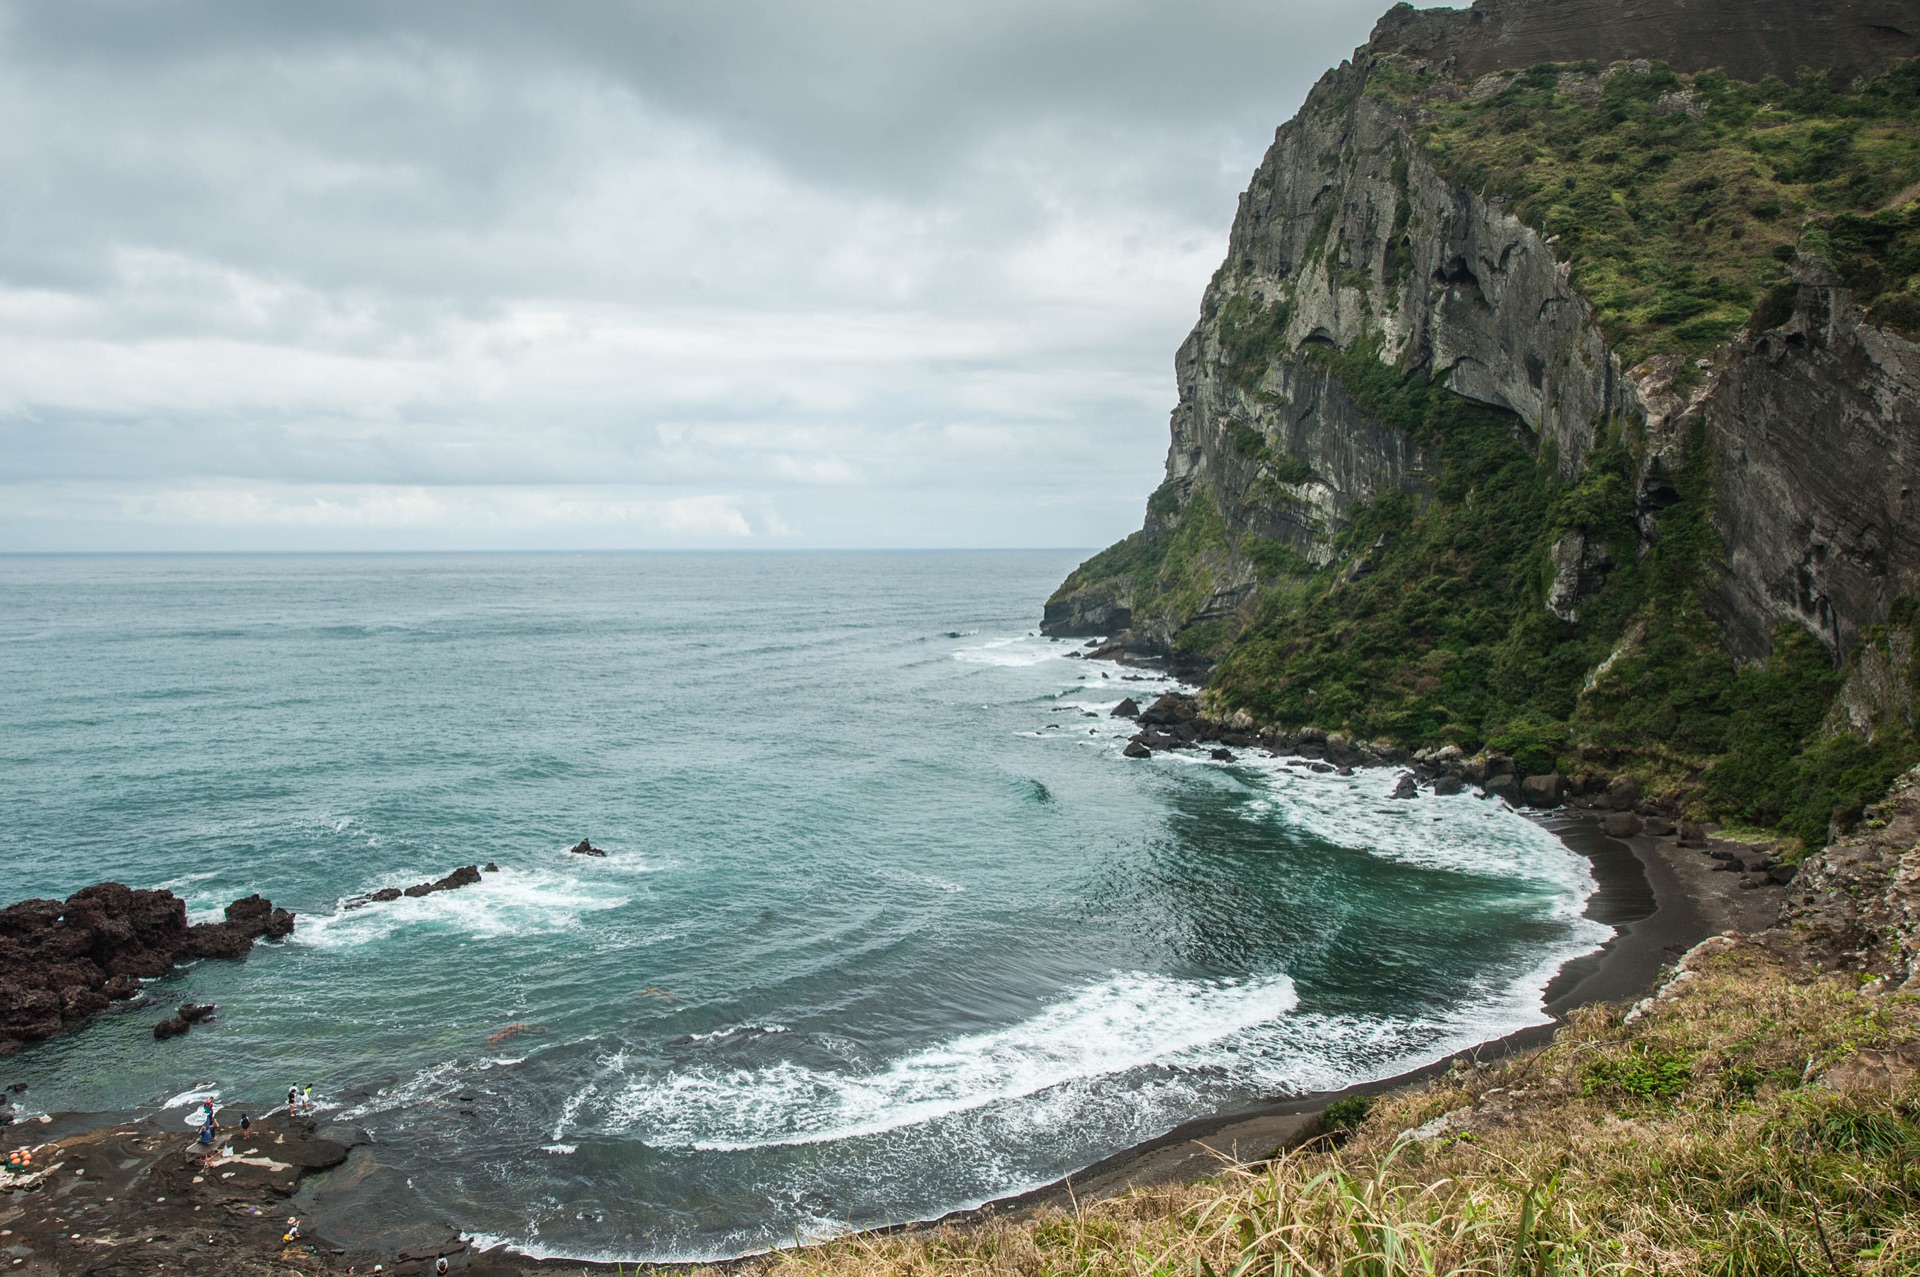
[
  {"x": 1347, "y": 235},
  {"x": 1450, "y": 222},
  {"x": 1815, "y": 431}
]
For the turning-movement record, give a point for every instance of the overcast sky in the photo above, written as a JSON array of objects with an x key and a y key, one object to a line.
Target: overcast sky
[{"x": 612, "y": 273}]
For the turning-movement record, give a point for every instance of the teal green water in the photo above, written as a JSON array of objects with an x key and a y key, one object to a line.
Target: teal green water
[{"x": 889, "y": 926}]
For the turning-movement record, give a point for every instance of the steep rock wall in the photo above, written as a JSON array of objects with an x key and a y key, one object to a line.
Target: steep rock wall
[
  {"x": 1347, "y": 234},
  {"x": 1814, "y": 428}
]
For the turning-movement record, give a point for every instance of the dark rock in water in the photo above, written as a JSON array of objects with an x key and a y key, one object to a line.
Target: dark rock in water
[
  {"x": 1129, "y": 708},
  {"x": 1406, "y": 786},
  {"x": 1446, "y": 785},
  {"x": 1543, "y": 791},
  {"x": 385, "y": 893},
  {"x": 62, "y": 963},
  {"x": 585, "y": 848},
  {"x": 194, "y": 1013},
  {"x": 170, "y": 1028},
  {"x": 1135, "y": 749},
  {"x": 464, "y": 876},
  {"x": 1620, "y": 824},
  {"x": 1322, "y": 767},
  {"x": 248, "y": 919},
  {"x": 1221, "y": 755},
  {"x": 1504, "y": 787},
  {"x": 489, "y": 868}
]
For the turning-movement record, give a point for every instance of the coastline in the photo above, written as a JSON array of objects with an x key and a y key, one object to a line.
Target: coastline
[{"x": 1661, "y": 899}]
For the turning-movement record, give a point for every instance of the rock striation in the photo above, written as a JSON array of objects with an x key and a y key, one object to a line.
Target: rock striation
[{"x": 63, "y": 962}]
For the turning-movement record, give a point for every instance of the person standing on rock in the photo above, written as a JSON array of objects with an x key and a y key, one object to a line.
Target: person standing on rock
[
  {"x": 306, "y": 1100},
  {"x": 293, "y": 1102}
]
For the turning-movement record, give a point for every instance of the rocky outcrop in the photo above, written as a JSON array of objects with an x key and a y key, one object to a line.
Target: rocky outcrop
[
  {"x": 1855, "y": 905},
  {"x": 1757, "y": 39},
  {"x": 249, "y": 919},
  {"x": 465, "y": 876},
  {"x": 61, "y": 963}
]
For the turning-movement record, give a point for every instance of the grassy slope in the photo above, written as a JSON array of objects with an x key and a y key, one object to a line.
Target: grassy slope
[{"x": 1709, "y": 1138}]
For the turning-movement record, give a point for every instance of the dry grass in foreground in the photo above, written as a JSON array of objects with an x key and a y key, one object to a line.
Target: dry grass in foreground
[{"x": 1757, "y": 1121}]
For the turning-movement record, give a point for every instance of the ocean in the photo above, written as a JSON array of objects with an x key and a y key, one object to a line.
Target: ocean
[{"x": 887, "y": 924}]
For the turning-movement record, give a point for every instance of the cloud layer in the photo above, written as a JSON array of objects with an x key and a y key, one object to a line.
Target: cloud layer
[{"x": 466, "y": 273}]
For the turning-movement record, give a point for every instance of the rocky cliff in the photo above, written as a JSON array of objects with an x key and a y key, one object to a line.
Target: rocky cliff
[{"x": 1581, "y": 318}]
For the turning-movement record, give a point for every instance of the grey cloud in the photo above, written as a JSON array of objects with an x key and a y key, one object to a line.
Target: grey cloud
[{"x": 745, "y": 247}]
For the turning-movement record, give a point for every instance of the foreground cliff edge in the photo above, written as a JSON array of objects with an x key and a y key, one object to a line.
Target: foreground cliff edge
[{"x": 1559, "y": 396}]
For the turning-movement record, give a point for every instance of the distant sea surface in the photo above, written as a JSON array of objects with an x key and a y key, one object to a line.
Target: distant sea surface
[{"x": 887, "y": 925}]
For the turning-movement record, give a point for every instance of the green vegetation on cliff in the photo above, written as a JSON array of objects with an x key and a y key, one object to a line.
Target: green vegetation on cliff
[
  {"x": 1432, "y": 627},
  {"x": 1676, "y": 200},
  {"x": 1678, "y": 204}
]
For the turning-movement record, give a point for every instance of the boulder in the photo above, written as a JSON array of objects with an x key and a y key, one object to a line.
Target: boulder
[
  {"x": 1622, "y": 793},
  {"x": 1135, "y": 749},
  {"x": 1405, "y": 787},
  {"x": 1783, "y": 874},
  {"x": 1446, "y": 784},
  {"x": 1504, "y": 787},
  {"x": 1221, "y": 755},
  {"x": 489, "y": 868},
  {"x": 1543, "y": 790},
  {"x": 194, "y": 1013},
  {"x": 584, "y": 847},
  {"x": 1499, "y": 765},
  {"x": 172, "y": 1028},
  {"x": 1692, "y": 834},
  {"x": 1658, "y": 826},
  {"x": 1620, "y": 824},
  {"x": 1128, "y": 708},
  {"x": 1170, "y": 709}
]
